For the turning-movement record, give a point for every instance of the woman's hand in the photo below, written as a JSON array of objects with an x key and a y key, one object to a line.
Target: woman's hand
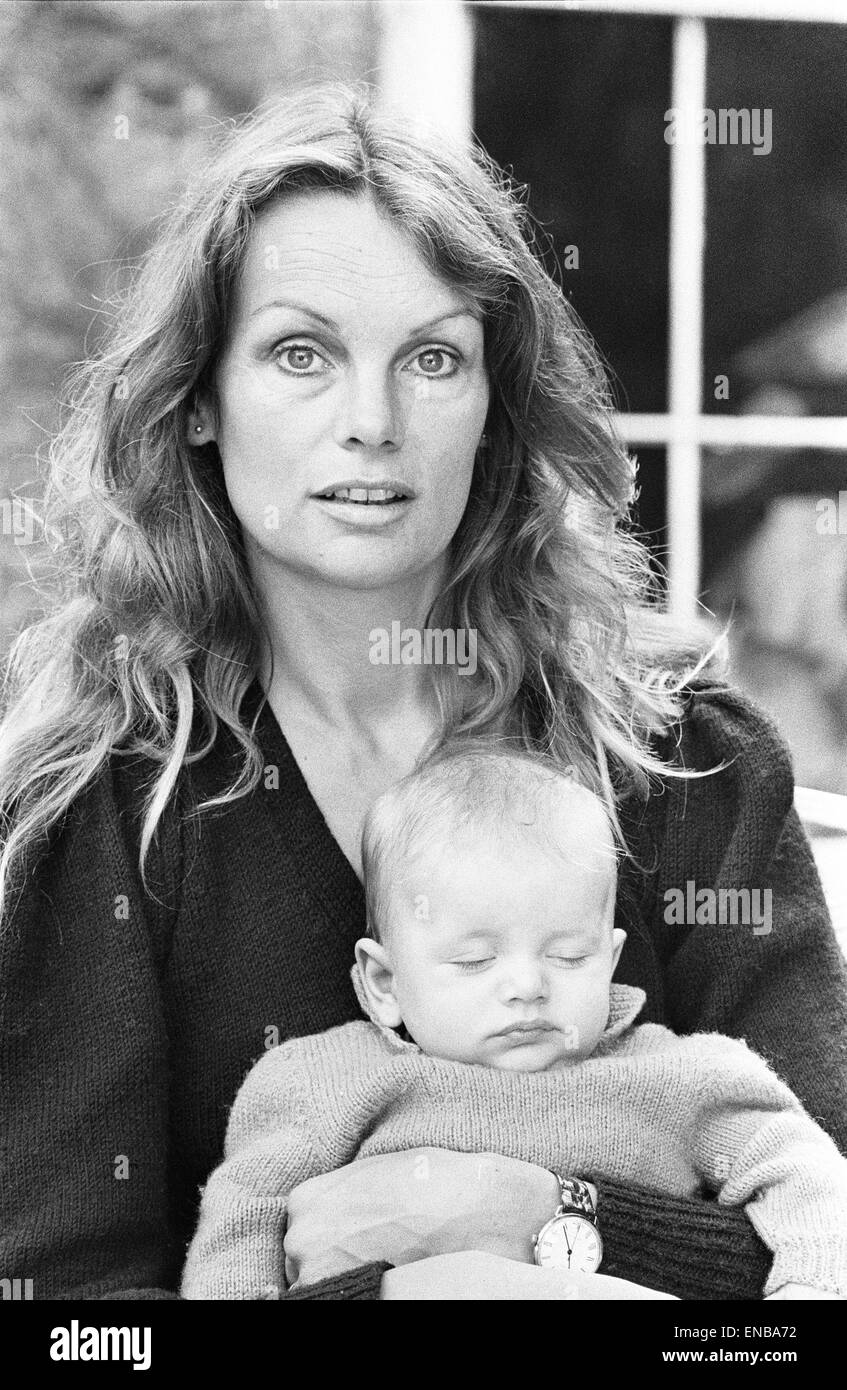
[
  {"x": 455, "y": 1225},
  {"x": 470, "y": 1275},
  {"x": 402, "y": 1207}
]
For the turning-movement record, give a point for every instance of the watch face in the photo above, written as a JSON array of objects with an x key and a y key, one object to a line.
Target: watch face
[{"x": 570, "y": 1242}]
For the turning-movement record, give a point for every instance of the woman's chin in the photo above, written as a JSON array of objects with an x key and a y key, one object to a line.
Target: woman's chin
[{"x": 361, "y": 563}]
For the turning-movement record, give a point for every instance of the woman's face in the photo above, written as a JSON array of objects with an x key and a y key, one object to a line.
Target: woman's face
[{"x": 349, "y": 366}]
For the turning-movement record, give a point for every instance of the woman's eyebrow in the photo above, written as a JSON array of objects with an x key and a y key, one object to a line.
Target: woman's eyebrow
[{"x": 330, "y": 323}]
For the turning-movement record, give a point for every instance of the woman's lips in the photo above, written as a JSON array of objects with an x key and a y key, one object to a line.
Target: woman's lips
[
  {"x": 362, "y": 492},
  {"x": 367, "y": 496},
  {"x": 371, "y": 501},
  {"x": 364, "y": 513}
]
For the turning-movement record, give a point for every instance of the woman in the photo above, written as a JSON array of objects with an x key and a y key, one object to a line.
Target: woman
[{"x": 345, "y": 396}]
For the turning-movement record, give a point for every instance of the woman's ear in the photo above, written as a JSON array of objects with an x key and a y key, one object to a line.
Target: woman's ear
[
  {"x": 202, "y": 428},
  {"x": 377, "y": 977}
]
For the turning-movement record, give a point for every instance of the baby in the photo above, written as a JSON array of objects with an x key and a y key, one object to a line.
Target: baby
[{"x": 495, "y": 1026}]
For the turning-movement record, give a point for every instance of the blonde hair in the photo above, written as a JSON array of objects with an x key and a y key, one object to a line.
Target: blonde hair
[
  {"x": 479, "y": 794},
  {"x": 156, "y": 627}
]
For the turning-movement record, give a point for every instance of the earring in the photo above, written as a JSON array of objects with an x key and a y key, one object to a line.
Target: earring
[
  {"x": 198, "y": 429},
  {"x": 484, "y": 441}
]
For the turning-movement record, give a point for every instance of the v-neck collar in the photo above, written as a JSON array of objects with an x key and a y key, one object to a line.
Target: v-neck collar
[
  {"x": 323, "y": 864},
  {"x": 304, "y": 833}
]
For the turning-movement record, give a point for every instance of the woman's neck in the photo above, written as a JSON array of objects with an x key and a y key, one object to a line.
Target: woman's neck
[{"x": 322, "y": 644}]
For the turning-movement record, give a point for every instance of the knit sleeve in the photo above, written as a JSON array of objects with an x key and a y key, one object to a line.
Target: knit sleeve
[
  {"x": 83, "y": 1068},
  {"x": 784, "y": 991},
  {"x": 780, "y": 985},
  {"x": 754, "y": 1144},
  {"x": 84, "y": 1138},
  {"x": 237, "y": 1248},
  {"x": 270, "y": 1147}
]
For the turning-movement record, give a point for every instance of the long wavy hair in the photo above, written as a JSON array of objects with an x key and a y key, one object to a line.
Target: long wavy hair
[{"x": 154, "y": 626}]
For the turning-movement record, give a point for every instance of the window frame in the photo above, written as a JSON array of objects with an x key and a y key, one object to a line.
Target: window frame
[{"x": 427, "y": 46}]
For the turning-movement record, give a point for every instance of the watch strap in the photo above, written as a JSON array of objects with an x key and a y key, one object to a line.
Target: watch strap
[{"x": 576, "y": 1198}]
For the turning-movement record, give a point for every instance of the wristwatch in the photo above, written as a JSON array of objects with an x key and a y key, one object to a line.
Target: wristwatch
[{"x": 571, "y": 1239}]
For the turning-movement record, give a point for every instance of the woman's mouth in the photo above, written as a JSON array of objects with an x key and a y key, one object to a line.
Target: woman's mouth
[{"x": 364, "y": 495}]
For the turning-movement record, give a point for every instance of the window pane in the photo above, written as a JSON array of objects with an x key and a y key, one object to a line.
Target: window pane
[
  {"x": 775, "y": 520},
  {"x": 775, "y": 562},
  {"x": 575, "y": 105},
  {"x": 777, "y": 216}
]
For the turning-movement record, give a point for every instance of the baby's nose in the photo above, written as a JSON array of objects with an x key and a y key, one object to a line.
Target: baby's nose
[{"x": 525, "y": 979}]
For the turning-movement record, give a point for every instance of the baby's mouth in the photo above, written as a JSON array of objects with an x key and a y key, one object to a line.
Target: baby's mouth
[{"x": 533, "y": 1026}]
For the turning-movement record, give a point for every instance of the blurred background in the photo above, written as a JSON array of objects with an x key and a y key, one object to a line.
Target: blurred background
[{"x": 713, "y": 276}]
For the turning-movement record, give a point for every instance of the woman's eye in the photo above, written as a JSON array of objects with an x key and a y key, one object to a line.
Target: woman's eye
[
  {"x": 298, "y": 358},
  {"x": 436, "y": 362}
]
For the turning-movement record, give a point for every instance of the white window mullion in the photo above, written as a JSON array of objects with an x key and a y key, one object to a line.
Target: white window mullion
[
  {"x": 685, "y": 354},
  {"x": 738, "y": 431},
  {"x": 426, "y": 56},
  {"x": 794, "y": 11}
]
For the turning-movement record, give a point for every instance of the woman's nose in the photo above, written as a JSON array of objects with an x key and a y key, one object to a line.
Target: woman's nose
[{"x": 373, "y": 415}]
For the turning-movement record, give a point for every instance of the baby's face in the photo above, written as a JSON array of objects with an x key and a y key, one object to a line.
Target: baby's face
[{"x": 505, "y": 958}]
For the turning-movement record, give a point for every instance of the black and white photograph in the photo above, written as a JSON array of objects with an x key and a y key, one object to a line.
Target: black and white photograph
[{"x": 423, "y": 636}]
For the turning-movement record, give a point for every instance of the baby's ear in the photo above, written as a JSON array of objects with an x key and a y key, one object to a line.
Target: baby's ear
[{"x": 376, "y": 977}]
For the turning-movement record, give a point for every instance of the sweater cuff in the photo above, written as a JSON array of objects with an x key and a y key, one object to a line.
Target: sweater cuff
[
  {"x": 819, "y": 1263},
  {"x": 686, "y": 1246},
  {"x": 358, "y": 1284},
  {"x": 138, "y": 1295}
]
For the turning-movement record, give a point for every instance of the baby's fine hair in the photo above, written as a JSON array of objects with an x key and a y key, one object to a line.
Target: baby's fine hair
[{"x": 486, "y": 789}]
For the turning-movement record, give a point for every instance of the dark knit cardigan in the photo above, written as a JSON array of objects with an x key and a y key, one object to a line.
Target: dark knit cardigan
[{"x": 128, "y": 1022}]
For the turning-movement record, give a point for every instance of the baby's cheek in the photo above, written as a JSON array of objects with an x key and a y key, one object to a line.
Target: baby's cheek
[
  {"x": 449, "y": 1022},
  {"x": 429, "y": 1010},
  {"x": 582, "y": 1018},
  {"x": 599, "y": 1017}
]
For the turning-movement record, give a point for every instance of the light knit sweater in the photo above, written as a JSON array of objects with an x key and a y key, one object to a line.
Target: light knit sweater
[{"x": 675, "y": 1114}]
